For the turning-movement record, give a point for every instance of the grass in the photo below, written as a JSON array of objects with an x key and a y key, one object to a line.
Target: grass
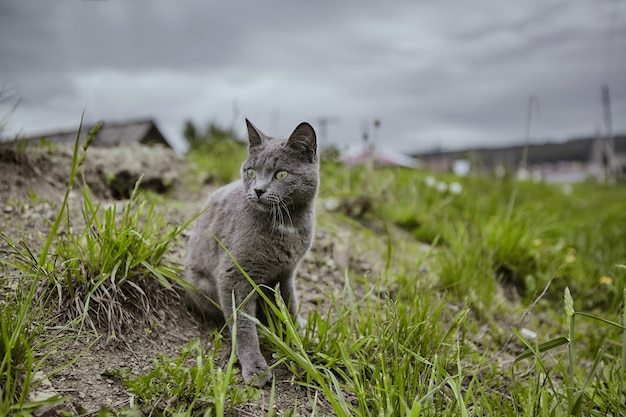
[
  {"x": 29, "y": 338},
  {"x": 118, "y": 255},
  {"x": 102, "y": 275},
  {"x": 599, "y": 400},
  {"x": 192, "y": 383},
  {"x": 105, "y": 273},
  {"x": 20, "y": 328},
  {"x": 520, "y": 311},
  {"x": 217, "y": 160},
  {"x": 576, "y": 235}
]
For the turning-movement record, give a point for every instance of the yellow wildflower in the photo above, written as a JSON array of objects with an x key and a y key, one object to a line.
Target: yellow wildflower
[
  {"x": 570, "y": 258},
  {"x": 605, "y": 280}
]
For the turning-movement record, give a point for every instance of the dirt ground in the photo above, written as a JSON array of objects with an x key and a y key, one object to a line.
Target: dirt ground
[{"x": 32, "y": 186}]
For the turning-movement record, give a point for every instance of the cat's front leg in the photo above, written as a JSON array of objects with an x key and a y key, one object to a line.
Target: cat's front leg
[{"x": 253, "y": 365}]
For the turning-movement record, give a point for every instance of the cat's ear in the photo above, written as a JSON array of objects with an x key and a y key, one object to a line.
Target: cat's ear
[
  {"x": 255, "y": 136},
  {"x": 303, "y": 138}
]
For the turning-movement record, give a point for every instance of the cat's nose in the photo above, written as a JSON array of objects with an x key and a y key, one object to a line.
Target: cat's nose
[{"x": 259, "y": 192}]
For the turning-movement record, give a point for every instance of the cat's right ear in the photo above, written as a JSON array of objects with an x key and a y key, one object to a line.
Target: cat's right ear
[
  {"x": 304, "y": 139},
  {"x": 255, "y": 136}
]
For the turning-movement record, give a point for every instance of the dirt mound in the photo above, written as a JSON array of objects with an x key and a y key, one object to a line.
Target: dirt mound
[{"x": 109, "y": 172}]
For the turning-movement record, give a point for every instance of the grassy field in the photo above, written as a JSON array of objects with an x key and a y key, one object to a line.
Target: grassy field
[
  {"x": 516, "y": 308},
  {"x": 508, "y": 256}
]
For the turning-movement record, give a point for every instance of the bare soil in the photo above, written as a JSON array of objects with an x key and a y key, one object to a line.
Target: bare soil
[{"x": 32, "y": 185}]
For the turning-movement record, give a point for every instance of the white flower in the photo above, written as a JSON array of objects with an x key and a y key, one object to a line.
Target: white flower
[
  {"x": 442, "y": 187},
  {"x": 528, "y": 334},
  {"x": 567, "y": 189},
  {"x": 456, "y": 188},
  {"x": 523, "y": 174},
  {"x": 430, "y": 181},
  {"x": 332, "y": 204}
]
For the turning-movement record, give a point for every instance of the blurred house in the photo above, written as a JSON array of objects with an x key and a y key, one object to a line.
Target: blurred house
[
  {"x": 574, "y": 160},
  {"x": 143, "y": 132},
  {"x": 378, "y": 157}
]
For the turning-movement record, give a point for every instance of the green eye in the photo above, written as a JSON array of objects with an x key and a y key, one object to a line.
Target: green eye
[
  {"x": 281, "y": 175},
  {"x": 250, "y": 173}
]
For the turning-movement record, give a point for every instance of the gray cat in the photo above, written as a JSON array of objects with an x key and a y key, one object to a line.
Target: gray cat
[{"x": 267, "y": 221}]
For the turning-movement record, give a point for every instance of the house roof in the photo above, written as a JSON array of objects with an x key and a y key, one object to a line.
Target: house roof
[{"x": 112, "y": 134}]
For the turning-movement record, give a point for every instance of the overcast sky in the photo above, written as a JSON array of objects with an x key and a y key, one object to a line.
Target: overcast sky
[{"x": 446, "y": 74}]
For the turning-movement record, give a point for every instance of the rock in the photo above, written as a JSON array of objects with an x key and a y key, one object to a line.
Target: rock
[
  {"x": 45, "y": 392},
  {"x": 121, "y": 167}
]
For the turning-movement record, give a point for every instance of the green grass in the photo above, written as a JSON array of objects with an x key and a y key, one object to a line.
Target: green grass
[
  {"x": 192, "y": 383},
  {"x": 525, "y": 241},
  {"x": 103, "y": 275},
  {"x": 29, "y": 338},
  {"x": 507, "y": 259},
  {"x": 21, "y": 326},
  {"x": 217, "y": 161},
  {"x": 117, "y": 254}
]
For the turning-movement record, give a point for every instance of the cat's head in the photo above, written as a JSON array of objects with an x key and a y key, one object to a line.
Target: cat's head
[{"x": 281, "y": 174}]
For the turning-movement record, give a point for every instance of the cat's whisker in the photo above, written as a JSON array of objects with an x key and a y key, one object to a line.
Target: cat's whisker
[
  {"x": 275, "y": 214},
  {"x": 286, "y": 207},
  {"x": 282, "y": 217},
  {"x": 277, "y": 219}
]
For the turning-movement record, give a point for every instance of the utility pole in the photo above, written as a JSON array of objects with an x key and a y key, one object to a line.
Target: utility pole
[
  {"x": 612, "y": 165},
  {"x": 323, "y": 122},
  {"x": 596, "y": 159},
  {"x": 376, "y": 124},
  {"x": 533, "y": 103},
  {"x": 368, "y": 146}
]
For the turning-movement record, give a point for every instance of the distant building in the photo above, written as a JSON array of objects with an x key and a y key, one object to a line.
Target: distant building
[
  {"x": 573, "y": 160},
  {"x": 143, "y": 132},
  {"x": 378, "y": 157}
]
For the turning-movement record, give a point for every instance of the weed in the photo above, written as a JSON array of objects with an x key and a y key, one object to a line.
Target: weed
[
  {"x": 107, "y": 274},
  {"x": 17, "y": 338},
  {"x": 193, "y": 383},
  {"x": 115, "y": 262},
  {"x": 603, "y": 391},
  {"x": 218, "y": 160},
  {"x": 28, "y": 340}
]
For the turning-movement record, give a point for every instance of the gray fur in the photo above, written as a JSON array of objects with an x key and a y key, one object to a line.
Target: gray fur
[{"x": 267, "y": 224}]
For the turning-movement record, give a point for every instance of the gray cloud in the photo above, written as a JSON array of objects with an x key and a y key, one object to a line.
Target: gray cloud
[{"x": 444, "y": 74}]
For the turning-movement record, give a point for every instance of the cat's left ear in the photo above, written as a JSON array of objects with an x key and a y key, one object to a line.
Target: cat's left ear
[
  {"x": 303, "y": 138},
  {"x": 255, "y": 136}
]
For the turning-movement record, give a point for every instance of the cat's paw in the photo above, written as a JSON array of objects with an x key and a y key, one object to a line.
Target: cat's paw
[{"x": 257, "y": 374}]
